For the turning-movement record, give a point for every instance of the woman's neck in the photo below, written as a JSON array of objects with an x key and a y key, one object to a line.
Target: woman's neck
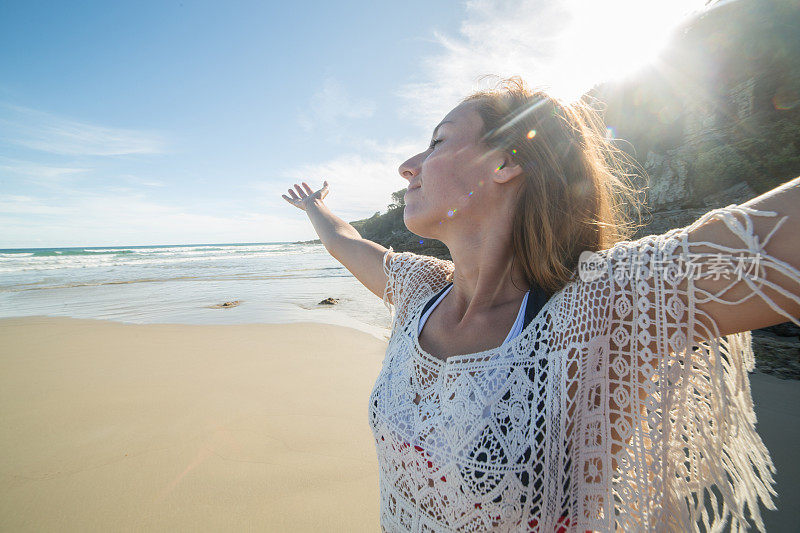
[{"x": 486, "y": 275}]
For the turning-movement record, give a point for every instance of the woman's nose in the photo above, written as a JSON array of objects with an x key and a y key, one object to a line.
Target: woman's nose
[{"x": 410, "y": 168}]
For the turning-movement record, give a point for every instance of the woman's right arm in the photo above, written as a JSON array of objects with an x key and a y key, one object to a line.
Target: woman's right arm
[{"x": 362, "y": 257}]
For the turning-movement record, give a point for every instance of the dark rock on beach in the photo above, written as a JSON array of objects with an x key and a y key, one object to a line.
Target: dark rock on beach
[
  {"x": 329, "y": 301},
  {"x": 226, "y": 305},
  {"x": 787, "y": 329},
  {"x": 776, "y": 353}
]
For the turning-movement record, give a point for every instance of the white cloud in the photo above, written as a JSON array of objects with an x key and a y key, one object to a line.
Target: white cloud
[
  {"x": 27, "y": 205},
  {"x": 332, "y": 103},
  {"x": 496, "y": 38},
  {"x": 53, "y": 178},
  {"x": 37, "y": 171},
  {"x": 359, "y": 184},
  {"x": 131, "y": 219},
  {"x": 58, "y": 135},
  {"x": 146, "y": 182}
]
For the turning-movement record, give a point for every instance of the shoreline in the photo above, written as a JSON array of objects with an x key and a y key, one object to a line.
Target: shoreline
[
  {"x": 110, "y": 425},
  {"x": 325, "y": 315}
]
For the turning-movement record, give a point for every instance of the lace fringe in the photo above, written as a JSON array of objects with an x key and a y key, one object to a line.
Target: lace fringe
[{"x": 729, "y": 467}]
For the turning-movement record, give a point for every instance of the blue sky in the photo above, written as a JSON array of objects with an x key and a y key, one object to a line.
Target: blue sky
[{"x": 183, "y": 122}]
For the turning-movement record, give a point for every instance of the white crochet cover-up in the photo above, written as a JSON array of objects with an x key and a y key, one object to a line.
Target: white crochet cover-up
[{"x": 577, "y": 423}]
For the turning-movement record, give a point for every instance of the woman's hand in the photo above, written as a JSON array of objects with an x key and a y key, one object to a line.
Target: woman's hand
[{"x": 307, "y": 196}]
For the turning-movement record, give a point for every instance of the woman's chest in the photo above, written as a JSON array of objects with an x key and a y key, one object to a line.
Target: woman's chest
[
  {"x": 441, "y": 341},
  {"x": 443, "y": 335},
  {"x": 450, "y": 407}
]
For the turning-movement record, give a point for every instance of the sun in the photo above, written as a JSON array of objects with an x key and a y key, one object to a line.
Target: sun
[{"x": 605, "y": 41}]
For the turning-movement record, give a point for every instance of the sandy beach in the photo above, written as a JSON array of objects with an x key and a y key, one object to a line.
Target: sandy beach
[
  {"x": 114, "y": 427},
  {"x": 128, "y": 427}
]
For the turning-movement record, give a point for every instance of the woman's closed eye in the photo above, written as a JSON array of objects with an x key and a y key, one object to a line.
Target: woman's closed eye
[{"x": 434, "y": 143}]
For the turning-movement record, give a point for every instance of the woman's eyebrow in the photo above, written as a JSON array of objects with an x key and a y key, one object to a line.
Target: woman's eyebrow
[{"x": 440, "y": 125}]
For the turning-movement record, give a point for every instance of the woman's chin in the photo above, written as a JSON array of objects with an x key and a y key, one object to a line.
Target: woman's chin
[{"x": 418, "y": 225}]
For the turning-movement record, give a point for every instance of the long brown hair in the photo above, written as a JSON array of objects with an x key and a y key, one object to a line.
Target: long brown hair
[{"x": 577, "y": 193}]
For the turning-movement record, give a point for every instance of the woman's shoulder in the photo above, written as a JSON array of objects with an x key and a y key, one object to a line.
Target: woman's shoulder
[
  {"x": 411, "y": 277},
  {"x": 412, "y": 264}
]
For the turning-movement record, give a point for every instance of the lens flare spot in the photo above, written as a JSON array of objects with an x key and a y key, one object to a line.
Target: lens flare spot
[
  {"x": 450, "y": 213},
  {"x": 610, "y": 133},
  {"x": 513, "y": 150},
  {"x": 480, "y": 183},
  {"x": 471, "y": 193},
  {"x": 531, "y": 134},
  {"x": 420, "y": 241},
  {"x": 785, "y": 99}
]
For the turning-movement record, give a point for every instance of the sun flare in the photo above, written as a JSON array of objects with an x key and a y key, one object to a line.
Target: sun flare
[{"x": 604, "y": 41}]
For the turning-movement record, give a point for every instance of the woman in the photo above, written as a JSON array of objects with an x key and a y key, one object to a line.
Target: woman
[{"x": 547, "y": 395}]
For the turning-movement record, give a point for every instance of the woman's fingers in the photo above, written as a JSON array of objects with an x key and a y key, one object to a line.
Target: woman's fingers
[{"x": 299, "y": 195}]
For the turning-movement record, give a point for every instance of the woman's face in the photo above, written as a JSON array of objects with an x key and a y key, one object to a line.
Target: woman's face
[{"x": 452, "y": 177}]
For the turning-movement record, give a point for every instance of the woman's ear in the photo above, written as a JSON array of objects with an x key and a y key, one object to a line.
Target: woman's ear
[{"x": 506, "y": 170}]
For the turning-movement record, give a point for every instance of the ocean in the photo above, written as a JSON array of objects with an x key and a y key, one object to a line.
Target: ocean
[{"x": 275, "y": 283}]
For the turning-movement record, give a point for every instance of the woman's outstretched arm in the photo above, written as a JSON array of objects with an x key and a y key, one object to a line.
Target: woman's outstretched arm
[
  {"x": 746, "y": 261},
  {"x": 362, "y": 257}
]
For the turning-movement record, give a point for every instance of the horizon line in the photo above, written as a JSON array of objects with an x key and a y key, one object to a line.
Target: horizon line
[{"x": 157, "y": 245}]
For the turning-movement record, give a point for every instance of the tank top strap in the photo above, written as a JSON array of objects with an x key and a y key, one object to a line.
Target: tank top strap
[
  {"x": 536, "y": 300},
  {"x": 435, "y": 297}
]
